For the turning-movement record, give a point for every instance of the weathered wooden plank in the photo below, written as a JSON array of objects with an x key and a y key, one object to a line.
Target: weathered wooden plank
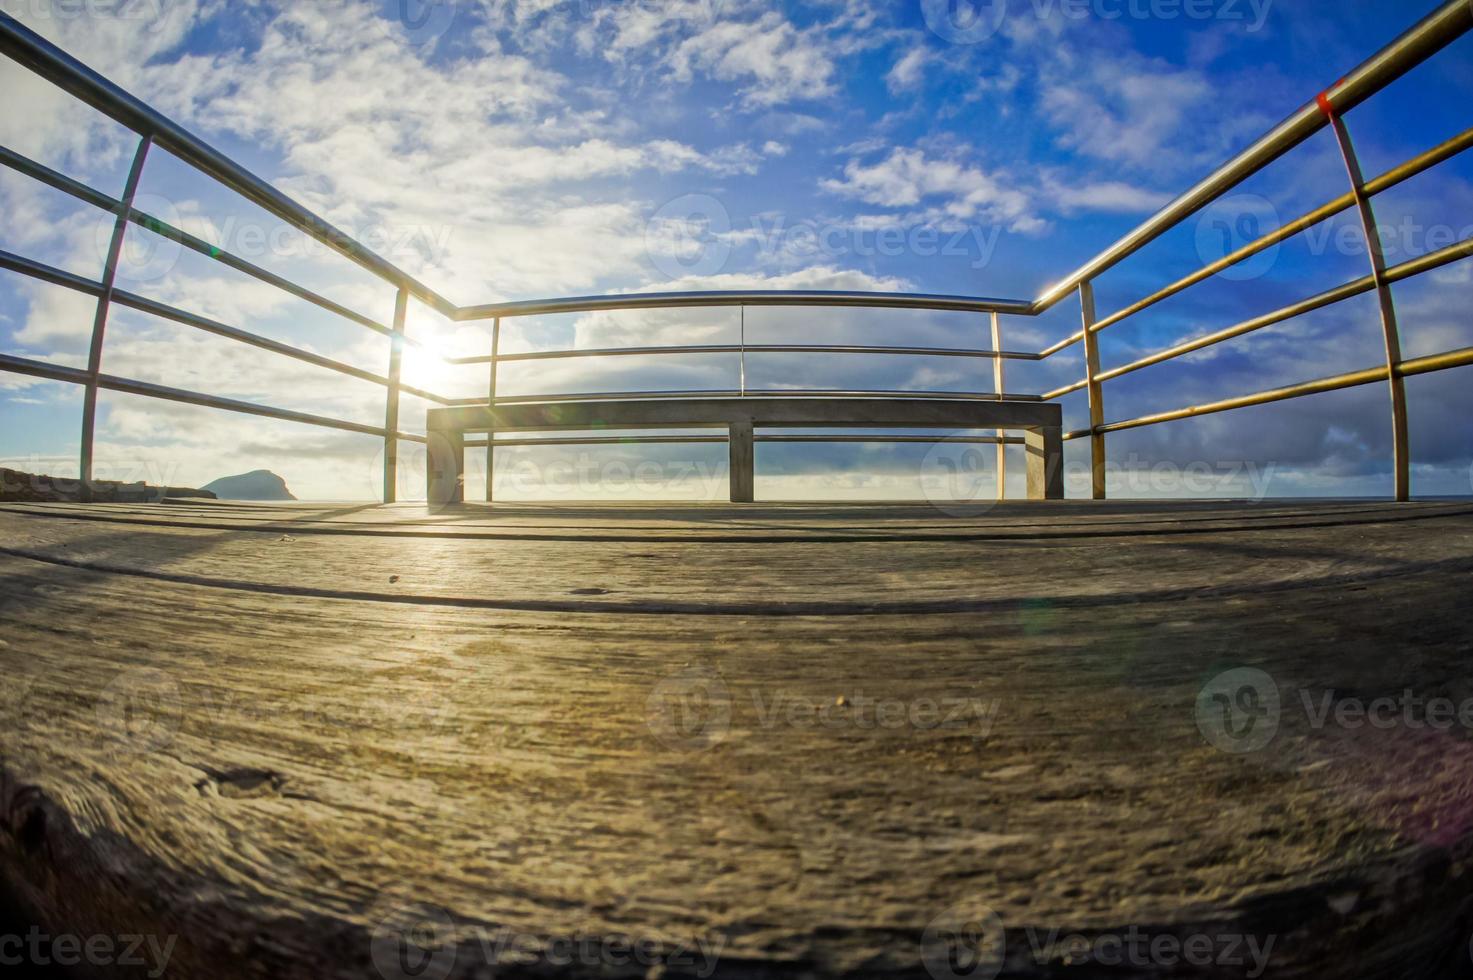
[{"x": 269, "y": 777}]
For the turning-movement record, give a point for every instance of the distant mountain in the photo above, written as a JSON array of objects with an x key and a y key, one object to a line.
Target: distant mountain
[
  {"x": 255, "y": 485},
  {"x": 15, "y": 485}
]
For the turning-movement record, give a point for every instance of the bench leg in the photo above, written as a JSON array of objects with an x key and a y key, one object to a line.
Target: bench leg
[
  {"x": 743, "y": 462},
  {"x": 491, "y": 467},
  {"x": 1045, "y": 446},
  {"x": 445, "y": 468}
]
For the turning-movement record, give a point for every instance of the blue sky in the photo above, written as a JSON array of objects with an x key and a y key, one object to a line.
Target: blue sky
[{"x": 505, "y": 149}]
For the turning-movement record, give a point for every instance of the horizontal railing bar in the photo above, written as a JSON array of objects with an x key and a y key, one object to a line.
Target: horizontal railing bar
[
  {"x": 976, "y": 440},
  {"x": 1424, "y": 39},
  {"x": 705, "y": 298},
  {"x": 1068, "y": 389},
  {"x": 1397, "y": 175},
  {"x": 59, "y": 277},
  {"x": 43, "y": 369},
  {"x": 690, "y": 440},
  {"x": 56, "y": 372},
  {"x": 56, "y": 179},
  {"x": 163, "y": 310},
  {"x": 48, "y": 273},
  {"x": 750, "y": 393},
  {"x": 162, "y": 228},
  {"x": 1461, "y": 357},
  {"x": 34, "y": 52},
  {"x": 749, "y": 348},
  {"x": 199, "y": 245},
  {"x": 1397, "y": 273},
  {"x": 1432, "y": 363},
  {"x": 147, "y": 390},
  {"x": 1068, "y": 341},
  {"x": 164, "y": 393},
  {"x": 595, "y": 441}
]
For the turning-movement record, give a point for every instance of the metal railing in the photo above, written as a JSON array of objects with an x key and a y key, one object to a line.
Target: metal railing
[{"x": 1415, "y": 46}]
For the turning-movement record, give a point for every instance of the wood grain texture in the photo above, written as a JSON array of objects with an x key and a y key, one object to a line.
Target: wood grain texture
[{"x": 277, "y": 732}]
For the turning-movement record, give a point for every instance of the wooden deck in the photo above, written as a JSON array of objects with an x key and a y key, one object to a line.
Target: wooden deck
[{"x": 281, "y": 733}]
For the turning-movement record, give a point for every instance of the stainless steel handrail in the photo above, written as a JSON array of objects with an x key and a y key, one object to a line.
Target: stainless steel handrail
[
  {"x": 552, "y": 355},
  {"x": 30, "y": 49},
  {"x": 1424, "y": 39},
  {"x": 696, "y": 394},
  {"x": 755, "y": 297},
  {"x": 1452, "y": 19}
]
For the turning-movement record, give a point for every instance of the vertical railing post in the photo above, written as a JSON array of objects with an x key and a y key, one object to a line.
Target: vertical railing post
[
  {"x": 391, "y": 398},
  {"x": 99, "y": 318},
  {"x": 1096, "y": 391},
  {"x": 1401, "y": 449},
  {"x": 491, "y": 400},
  {"x": 997, "y": 386},
  {"x": 743, "y": 344}
]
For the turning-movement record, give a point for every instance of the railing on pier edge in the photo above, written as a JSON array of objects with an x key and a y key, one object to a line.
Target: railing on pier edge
[{"x": 1327, "y": 110}]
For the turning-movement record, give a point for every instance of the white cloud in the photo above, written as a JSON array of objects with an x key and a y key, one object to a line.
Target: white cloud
[
  {"x": 909, "y": 177},
  {"x": 775, "y": 62},
  {"x": 910, "y": 69},
  {"x": 1109, "y": 196}
]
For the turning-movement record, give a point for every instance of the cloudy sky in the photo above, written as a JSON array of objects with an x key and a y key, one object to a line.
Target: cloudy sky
[{"x": 509, "y": 149}]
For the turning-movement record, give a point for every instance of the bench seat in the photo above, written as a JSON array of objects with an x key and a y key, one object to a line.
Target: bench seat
[{"x": 1041, "y": 423}]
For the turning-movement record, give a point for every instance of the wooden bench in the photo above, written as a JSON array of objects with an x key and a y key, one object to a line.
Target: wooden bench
[{"x": 1041, "y": 423}]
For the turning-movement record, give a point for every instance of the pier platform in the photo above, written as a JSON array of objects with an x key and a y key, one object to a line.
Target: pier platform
[{"x": 757, "y": 741}]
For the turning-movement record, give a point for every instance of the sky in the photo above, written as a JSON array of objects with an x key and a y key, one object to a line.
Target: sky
[{"x": 515, "y": 149}]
